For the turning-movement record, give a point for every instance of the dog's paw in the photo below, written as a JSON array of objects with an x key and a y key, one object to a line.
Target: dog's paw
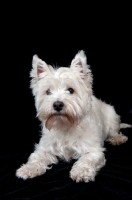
[
  {"x": 82, "y": 174},
  {"x": 30, "y": 170},
  {"x": 117, "y": 139}
]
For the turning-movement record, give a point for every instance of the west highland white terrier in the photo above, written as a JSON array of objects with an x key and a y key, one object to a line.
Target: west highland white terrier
[{"x": 75, "y": 123}]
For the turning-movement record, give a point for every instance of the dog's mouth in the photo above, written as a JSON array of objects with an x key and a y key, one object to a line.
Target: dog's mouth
[{"x": 59, "y": 121}]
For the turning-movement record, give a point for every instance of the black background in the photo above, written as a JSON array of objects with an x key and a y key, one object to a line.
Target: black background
[{"x": 56, "y": 34}]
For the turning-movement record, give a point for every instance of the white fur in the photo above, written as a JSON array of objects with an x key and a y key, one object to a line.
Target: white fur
[{"x": 79, "y": 130}]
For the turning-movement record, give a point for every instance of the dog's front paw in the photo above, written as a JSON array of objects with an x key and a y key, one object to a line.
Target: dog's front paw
[
  {"x": 30, "y": 170},
  {"x": 82, "y": 174}
]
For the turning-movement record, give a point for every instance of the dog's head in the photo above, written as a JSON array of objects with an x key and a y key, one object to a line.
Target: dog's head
[{"x": 62, "y": 95}]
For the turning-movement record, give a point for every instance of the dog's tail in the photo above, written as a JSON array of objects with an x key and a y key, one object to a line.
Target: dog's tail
[{"x": 122, "y": 125}]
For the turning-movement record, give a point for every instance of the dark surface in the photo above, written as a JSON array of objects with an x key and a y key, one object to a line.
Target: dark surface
[
  {"x": 114, "y": 180},
  {"x": 105, "y": 36}
]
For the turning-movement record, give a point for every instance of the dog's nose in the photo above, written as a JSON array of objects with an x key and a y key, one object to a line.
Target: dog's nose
[{"x": 58, "y": 105}]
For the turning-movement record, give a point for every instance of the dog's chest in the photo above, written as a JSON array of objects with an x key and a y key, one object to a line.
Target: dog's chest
[{"x": 67, "y": 147}]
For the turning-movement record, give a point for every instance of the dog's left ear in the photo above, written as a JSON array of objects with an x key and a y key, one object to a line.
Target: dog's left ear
[{"x": 79, "y": 65}]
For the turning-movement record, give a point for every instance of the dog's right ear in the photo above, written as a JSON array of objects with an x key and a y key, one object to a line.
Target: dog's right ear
[
  {"x": 38, "y": 67},
  {"x": 39, "y": 70}
]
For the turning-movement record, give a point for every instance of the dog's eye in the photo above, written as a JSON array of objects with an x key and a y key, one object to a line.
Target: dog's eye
[
  {"x": 71, "y": 90},
  {"x": 48, "y": 92}
]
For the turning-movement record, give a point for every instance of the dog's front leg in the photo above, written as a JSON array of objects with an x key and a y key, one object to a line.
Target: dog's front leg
[
  {"x": 86, "y": 167},
  {"x": 37, "y": 164}
]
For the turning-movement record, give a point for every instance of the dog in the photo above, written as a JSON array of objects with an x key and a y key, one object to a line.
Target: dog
[{"x": 75, "y": 123}]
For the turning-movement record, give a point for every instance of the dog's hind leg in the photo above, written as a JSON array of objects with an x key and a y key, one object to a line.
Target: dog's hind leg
[{"x": 116, "y": 138}]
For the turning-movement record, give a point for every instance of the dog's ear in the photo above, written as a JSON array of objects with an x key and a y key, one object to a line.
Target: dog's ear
[
  {"x": 79, "y": 65},
  {"x": 39, "y": 70},
  {"x": 38, "y": 67}
]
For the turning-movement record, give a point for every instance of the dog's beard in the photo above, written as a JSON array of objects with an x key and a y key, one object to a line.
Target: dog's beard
[{"x": 59, "y": 121}]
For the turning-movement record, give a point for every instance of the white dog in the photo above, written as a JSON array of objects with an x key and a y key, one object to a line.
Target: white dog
[{"x": 75, "y": 123}]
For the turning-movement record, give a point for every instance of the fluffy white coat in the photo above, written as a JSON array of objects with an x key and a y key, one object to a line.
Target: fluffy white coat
[{"x": 75, "y": 123}]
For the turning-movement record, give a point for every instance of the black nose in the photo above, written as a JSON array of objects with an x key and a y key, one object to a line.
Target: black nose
[{"x": 58, "y": 105}]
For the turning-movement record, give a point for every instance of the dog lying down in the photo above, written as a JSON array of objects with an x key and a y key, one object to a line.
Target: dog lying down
[{"x": 75, "y": 123}]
